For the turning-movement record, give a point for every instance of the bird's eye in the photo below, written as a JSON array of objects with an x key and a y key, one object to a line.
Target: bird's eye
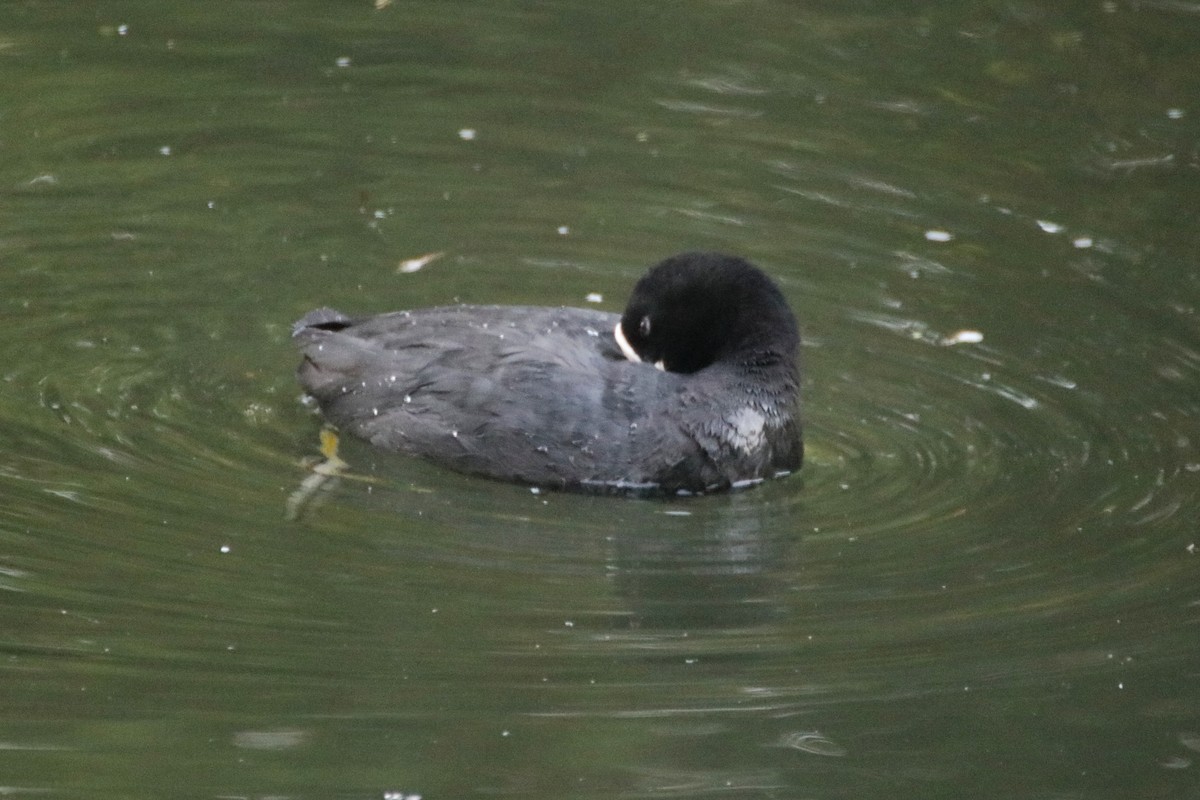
[{"x": 644, "y": 327}]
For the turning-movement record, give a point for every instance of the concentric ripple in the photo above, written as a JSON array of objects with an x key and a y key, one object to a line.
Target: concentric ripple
[{"x": 920, "y": 432}]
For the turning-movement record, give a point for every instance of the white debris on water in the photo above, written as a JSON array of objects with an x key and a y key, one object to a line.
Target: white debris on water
[
  {"x": 418, "y": 263},
  {"x": 963, "y": 337}
]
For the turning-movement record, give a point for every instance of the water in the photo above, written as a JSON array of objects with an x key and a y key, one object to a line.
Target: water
[{"x": 983, "y": 582}]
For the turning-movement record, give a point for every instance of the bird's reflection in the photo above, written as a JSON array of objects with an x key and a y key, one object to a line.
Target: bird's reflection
[{"x": 696, "y": 572}]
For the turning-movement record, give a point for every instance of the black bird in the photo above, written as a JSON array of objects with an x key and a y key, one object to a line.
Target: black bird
[{"x": 571, "y": 398}]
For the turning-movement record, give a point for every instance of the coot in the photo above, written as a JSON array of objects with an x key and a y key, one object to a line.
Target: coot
[{"x": 571, "y": 398}]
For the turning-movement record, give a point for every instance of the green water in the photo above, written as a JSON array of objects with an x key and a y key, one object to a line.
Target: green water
[{"x": 984, "y": 583}]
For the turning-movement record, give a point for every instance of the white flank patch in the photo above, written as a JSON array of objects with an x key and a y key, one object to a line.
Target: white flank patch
[{"x": 748, "y": 429}]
